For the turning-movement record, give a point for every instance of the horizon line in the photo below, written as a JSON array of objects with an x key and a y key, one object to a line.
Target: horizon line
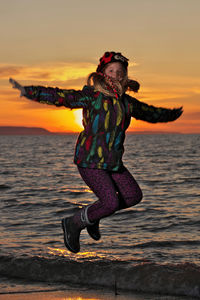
[{"x": 47, "y": 131}]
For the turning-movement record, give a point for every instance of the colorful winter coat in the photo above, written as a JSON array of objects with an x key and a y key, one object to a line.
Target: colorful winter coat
[{"x": 105, "y": 120}]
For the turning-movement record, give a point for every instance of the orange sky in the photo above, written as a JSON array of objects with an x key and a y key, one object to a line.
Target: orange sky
[{"x": 53, "y": 43}]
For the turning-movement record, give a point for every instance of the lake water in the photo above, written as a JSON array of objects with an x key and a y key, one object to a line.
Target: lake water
[{"x": 153, "y": 247}]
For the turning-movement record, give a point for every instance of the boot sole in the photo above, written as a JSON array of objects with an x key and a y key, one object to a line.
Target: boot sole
[
  {"x": 65, "y": 238},
  {"x": 93, "y": 236}
]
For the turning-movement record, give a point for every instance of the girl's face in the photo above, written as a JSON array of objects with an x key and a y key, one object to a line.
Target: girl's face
[{"x": 115, "y": 70}]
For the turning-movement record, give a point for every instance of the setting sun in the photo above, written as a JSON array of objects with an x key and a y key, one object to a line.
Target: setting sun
[{"x": 78, "y": 117}]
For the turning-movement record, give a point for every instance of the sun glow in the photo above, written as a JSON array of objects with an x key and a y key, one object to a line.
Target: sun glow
[
  {"x": 81, "y": 255},
  {"x": 78, "y": 117}
]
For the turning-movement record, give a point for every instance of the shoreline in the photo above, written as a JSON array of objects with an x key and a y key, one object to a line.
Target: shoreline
[{"x": 84, "y": 295}]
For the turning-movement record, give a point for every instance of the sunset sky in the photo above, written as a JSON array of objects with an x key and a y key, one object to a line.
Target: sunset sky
[{"x": 59, "y": 42}]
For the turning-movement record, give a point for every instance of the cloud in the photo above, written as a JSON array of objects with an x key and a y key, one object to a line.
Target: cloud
[
  {"x": 193, "y": 116},
  {"x": 61, "y": 71},
  {"x": 6, "y": 71}
]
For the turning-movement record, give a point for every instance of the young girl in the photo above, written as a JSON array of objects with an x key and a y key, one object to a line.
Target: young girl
[{"x": 107, "y": 111}]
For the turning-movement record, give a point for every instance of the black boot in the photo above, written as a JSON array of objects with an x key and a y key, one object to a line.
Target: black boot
[
  {"x": 71, "y": 235},
  {"x": 93, "y": 231}
]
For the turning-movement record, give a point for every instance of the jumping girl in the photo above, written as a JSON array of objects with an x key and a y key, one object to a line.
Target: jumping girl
[{"x": 107, "y": 111}]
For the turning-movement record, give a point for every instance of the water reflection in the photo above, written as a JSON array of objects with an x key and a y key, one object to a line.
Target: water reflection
[{"x": 78, "y": 256}]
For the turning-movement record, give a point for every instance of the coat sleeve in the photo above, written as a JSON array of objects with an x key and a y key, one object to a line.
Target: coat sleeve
[
  {"x": 60, "y": 97},
  {"x": 152, "y": 114}
]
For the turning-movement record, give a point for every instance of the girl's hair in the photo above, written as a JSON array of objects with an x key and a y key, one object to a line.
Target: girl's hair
[{"x": 105, "y": 84}]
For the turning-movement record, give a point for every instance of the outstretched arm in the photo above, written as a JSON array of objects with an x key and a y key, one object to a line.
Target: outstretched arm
[
  {"x": 59, "y": 97},
  {"x": 152, "y": 114}
]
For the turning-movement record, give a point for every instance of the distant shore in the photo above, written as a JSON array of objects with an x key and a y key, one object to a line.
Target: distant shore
[{"x": 20, "y": 130}]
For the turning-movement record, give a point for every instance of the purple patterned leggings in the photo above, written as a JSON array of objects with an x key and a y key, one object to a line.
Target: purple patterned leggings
[{"x": 114, "y": 190}]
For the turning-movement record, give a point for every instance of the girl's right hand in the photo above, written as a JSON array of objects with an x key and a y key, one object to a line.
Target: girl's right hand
[{"x": 18, "y": 86}]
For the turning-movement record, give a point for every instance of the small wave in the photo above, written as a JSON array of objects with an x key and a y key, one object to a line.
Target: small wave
[
  {"x": 191, "y": 223},
  {"x": 159, "y": 244},
  {"x": 72, "y": 193},
  {"x": 4, "y": 186},
  {"x": 69, "y": 211},
  {"x": 6, "y": 172},
  {"x": 182, "y": 279},
  {"x": 35, "y": 205}
]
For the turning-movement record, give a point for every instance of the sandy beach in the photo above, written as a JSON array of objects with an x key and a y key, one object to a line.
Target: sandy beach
[
  {"x": 71, "y": 295},
  {"x": 86, "y": 295}
]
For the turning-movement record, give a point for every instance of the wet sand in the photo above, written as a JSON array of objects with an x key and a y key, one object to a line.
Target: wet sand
[{"x": 85, "y": 295}]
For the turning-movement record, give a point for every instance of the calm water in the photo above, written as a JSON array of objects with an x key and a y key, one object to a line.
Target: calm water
[{"x": 39, "y": 185}]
